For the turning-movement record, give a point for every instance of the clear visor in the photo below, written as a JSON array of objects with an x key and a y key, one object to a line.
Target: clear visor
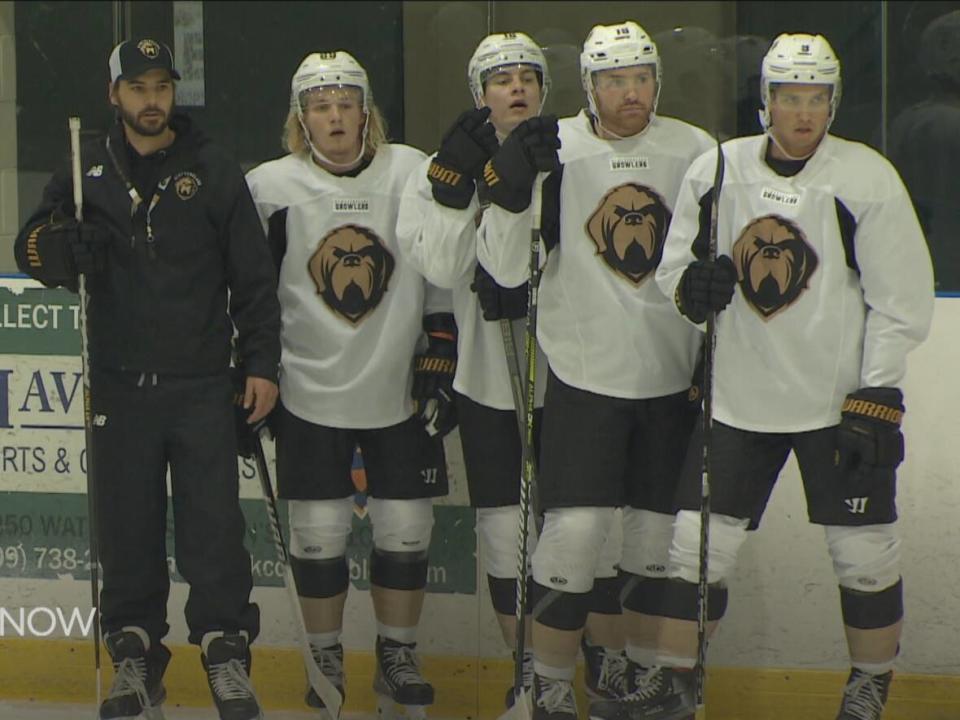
[
  {"x": 504, "y": 73},
  {"x": 327, "y": 94},
  {"x": 621, "y": 78}
]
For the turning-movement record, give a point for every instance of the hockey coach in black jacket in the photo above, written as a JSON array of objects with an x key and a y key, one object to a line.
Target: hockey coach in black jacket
[{"x": 174, "y": 257}]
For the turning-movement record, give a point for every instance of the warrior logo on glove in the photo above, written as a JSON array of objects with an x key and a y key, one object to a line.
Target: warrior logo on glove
[
  {"x": 629, "y": 227},
  {"x": 774, "y": 264},
  {"x": 351, "y": 269}
]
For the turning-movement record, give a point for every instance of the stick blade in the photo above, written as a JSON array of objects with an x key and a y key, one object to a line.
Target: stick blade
[{"x": 521, "y": 709}]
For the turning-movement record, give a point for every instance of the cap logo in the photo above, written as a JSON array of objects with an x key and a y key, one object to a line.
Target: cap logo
[{"x": 149, "y": 48}]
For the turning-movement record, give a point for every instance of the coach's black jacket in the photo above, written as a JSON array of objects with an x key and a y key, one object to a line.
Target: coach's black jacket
[{"x": 160, "y": 306}]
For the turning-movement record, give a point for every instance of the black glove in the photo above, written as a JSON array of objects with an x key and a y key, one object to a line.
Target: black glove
[
  {"x": 869, "y": 432},
  {"x": 706, "y": 286},
  {"x": 529, "y": 149},
  {"x": 246, "y": 433},
  {"x": 496, "y": 301},
  {"x": 433, "y": 372},
  {"x": 85, "y": 243},
  {"x": 467, "y": 145}
]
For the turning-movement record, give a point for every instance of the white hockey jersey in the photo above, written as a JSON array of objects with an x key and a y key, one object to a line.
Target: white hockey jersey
[
  {"x": 352, "y": 306},
  {"x": 805, "y": 328},
  {"x": 603, "y": 323},
  {"x": 441, "y": 243}
]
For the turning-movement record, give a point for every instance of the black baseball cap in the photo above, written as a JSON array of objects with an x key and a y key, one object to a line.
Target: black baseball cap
[{"x": 134, "y": 57}]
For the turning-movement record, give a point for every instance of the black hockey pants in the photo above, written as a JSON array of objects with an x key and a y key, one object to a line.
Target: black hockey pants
[{"x": 143, "y": 424}]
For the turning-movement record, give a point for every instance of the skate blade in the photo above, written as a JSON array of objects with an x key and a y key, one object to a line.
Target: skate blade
[
  {"x": 390, "y": 709},
  {"x": 521, "y": 708},
  {"x": 671, "y": 708}
]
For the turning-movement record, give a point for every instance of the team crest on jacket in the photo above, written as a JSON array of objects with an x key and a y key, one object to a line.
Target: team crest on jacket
[
  {"x": 351, "y": 269},
  {"x": 774, "y": 264},
  {"x": 186, "y": 184},
  {"x": 628, "y": 228}
]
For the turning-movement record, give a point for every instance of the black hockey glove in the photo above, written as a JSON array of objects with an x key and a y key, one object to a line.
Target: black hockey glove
[
  {"x": 706, "y": 286},
  {"x": 433, "y": 372},
  {"x": 869, "y": 432},
  {"x": 496, "y": 301},
  {"x": 529, "y": 149},
  {"x": 467, "y": 145},
  {"x": 77, "y": 247}
]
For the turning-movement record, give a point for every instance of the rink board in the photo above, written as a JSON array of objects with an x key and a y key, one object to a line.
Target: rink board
[{"x": 62, "y": 671}]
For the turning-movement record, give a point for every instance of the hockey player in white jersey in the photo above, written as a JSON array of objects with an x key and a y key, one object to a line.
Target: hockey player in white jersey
[
  {"x": 822, "y": 283},
  {"x": 352, "y": 310},
  {"x": 443, "y": 205},
  {"x": 617, "y": 412},
  {"x": 508, "y": 78}
]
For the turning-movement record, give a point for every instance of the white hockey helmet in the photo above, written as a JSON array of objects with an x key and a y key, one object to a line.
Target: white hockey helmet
[
  {"x": 614, "y": 46},
  {"x": 504, "y": 49},
  {"x": 799, "y": 58},
  {"x": 329, "y": 69}
]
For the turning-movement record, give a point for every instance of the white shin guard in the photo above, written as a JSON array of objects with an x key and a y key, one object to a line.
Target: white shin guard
[
  {"x": 865, "y": 558},
  {"x": 567, "y": 551},
  {"x": 319, "y": 528},
  {"x": 401, "y": 525},
  {"x": 646, "y": 542},
  {"x": 726, "y": 536}
]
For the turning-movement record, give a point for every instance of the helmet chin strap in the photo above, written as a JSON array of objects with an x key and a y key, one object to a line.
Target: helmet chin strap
[
  {"x": 323, "y": 158},
  {"x": 769, "y": 133},
  {"x": 595, "y": 113},
  {"x": 614, "y": 136}
]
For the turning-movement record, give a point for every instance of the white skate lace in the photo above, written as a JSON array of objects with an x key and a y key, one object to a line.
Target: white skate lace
[
  {"x": 527, "y": 670},
  {"x": 613, "y": 673},
  {"x": 862, "y": 698},
  {"x": 129, "y": 679},
  {"x": 556, "y": 696},
  {"x": 230, "y": 680},
  {"x": 401, "y": 666},
  {"x": 648, "y": 682},
  {"x": 330, "y": 661}
]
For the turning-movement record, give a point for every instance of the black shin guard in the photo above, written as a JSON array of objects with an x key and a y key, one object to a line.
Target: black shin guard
[
  {"x": 559, "y": 610},
  {"x": 872, "y": 610},
  {"x": 605, "y": 595},
  {"x": 398, "y": 570},
  {"x": 642, "y": 594},
  {"x": 320, "y": 578},
  {"x": 680, "y": 601},
  {"x": 503, "y": 595}
]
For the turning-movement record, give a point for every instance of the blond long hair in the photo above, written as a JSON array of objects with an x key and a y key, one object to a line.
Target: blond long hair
[{"x": 295, "y": 140}]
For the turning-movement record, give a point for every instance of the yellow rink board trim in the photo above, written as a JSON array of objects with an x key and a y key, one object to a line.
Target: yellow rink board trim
[{"x": 62, "y": 671}]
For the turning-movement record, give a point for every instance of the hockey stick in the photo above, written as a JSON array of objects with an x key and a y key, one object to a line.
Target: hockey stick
[
  {"x": 324, "y": 689},
  {"x": 74, "y": 125},
  {"x": 708, "y": 354},
  {"x": 520, "y": 709}
]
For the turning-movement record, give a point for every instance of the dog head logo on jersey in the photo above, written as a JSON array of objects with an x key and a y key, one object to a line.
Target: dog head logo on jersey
[
  {"x": 628, "y": 228},
  {"x": 351, "y": 269},
  {"x": 774, "y": 264}
]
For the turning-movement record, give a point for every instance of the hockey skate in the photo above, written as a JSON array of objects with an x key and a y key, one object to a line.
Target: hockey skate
[
  {"x": 137, "y": 690},
  {"x": 553, "y": 699},
  {"x": 655, "y": 693},
  {"x": 604, "y": 672},
  {"x": 330, "y": 661},
  {"x": 511, "y": 697},
  {"x": 226, "y": 658},
  {"x": 400, "y": 688},
  {"x": 864, "y": 696}
]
